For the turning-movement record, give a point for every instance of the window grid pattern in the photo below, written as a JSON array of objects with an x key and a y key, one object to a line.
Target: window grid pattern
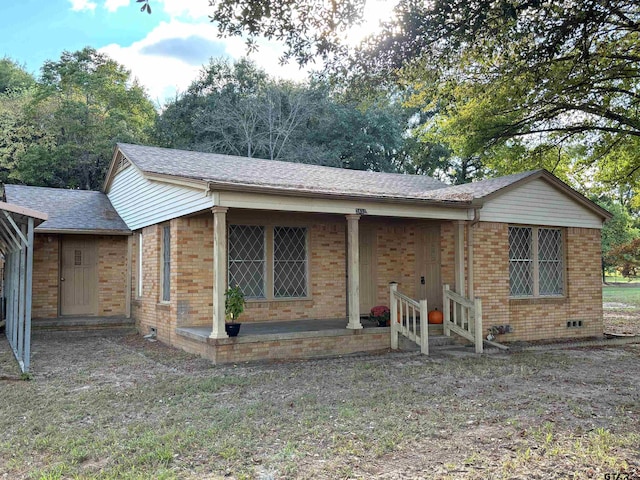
[
  {"x": 247, "y": 259},
  {"x": 520, "y": 262},
  {"x": 289, "y": 262},
  {"x": 550, "y": 264}
]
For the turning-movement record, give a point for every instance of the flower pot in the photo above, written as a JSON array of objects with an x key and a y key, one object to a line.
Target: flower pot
[{"x": 232, "y": 329}]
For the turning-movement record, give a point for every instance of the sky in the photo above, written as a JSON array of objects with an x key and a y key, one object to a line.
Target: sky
[{"x": 164, "y": 50}]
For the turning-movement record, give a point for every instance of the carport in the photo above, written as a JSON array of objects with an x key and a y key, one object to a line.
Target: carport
[{"x": 16, "y": 245}]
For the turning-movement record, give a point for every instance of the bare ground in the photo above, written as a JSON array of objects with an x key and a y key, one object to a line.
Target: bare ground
[{"x": 122, "y": 407}]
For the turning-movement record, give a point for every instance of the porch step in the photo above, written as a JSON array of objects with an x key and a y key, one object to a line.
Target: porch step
[
  {"x": 84, "y": 324},
  {"x": 407, "y": 345}
]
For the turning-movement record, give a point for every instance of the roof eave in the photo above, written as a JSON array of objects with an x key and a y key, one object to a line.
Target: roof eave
[
  {"x": 82, "y": 231},
  {"x": 109, "y": 177},
  {"x": 236, "y": 187},
  {"x": 27, "y": 212}
]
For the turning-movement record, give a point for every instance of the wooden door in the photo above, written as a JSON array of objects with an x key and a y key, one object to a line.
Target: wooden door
[
  {"x": 428, "y": 266},
  {"x": 368, "y": 271},
  {"x": 78, "y": 278}
]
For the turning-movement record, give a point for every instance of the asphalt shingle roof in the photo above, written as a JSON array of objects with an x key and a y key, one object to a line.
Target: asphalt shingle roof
[
  {"x": 68, "y": 210},
  {"x": 483, "y": 188},
  {"x": 290, "y": 176},
  {"x": 302, "y": 177}
]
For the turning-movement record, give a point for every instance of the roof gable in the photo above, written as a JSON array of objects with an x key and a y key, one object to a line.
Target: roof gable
[{"x": 269, "y": 176}]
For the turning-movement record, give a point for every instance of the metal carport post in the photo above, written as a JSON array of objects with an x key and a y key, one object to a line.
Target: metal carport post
[{"x": 16, "y": 244}]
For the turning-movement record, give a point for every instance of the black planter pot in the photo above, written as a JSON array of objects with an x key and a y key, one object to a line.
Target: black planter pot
[{"x": 232, "y": 329}]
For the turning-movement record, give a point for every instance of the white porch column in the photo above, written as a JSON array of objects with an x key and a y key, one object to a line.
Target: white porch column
[
  {"x": 470, "y": 247},
  {"x": 353, "y": 270},
  {"x": 219, "y": 270}
]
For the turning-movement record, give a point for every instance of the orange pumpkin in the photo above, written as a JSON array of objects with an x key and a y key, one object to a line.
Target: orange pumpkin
[{"x": 435, "y": 316}]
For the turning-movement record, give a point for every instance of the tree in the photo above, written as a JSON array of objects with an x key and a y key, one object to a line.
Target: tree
[
  {"x": 626, "y": 258},
  {"x": 505, "y": 72},
  {"x": 82, "y": 105},
  {"x": 21, "y": 130},
  {"x": 619, "y": 229},
  {"x": 13, "y": 76},
  {"x": 238, "y": 109}
]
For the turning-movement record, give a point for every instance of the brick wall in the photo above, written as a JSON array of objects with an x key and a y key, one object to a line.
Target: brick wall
[
  {"x": 147, "y": 309},
  {"x": 111, "y": 272},
  {"x": 112, "y": 275},
  {"x": 46, "y": 276},
  {"x": 535, "y": 319},
  {"x": 247, "y": 349},
  {"x": 192, "y": 275}
]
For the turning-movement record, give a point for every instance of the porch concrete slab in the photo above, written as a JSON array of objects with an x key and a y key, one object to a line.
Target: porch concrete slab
[{"x": 282, "y": 330}]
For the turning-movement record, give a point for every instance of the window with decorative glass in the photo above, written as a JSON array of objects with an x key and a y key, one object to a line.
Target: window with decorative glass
[
  {"x": 536, "y": 262},
  {"x": 268, "y": 262},
  {"x": 247, "y": 259},
  {"x": 289, "y": 262}
]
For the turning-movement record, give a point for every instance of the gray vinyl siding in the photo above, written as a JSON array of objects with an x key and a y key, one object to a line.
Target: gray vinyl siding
[
  {"x": 539, "y": 203},
  {"x": 142, "y": 202}
]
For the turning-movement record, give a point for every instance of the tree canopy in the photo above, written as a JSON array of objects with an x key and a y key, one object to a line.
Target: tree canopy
[
  {"x": 501, "y": 78},
  {"x": 13, "y": 76},
  {"x": 237, "y": 108},
  {"x": 61, "y": 131}
]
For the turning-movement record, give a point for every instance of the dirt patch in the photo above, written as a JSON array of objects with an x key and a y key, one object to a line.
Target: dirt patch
[
  {"x": 122, "y": 407},
  {"x": 621, "y": 319}
]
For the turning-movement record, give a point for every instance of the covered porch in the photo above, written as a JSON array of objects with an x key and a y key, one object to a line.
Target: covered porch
[
  {"x": 350, "y": 260},
  {"x": 346, "y": 261},
  {"x": 293, "y": 339}
]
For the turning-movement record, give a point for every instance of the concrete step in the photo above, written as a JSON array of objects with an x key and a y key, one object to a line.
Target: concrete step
[
  {"x": 407, "y": 345},
  {"x": 83, "y": 323}
]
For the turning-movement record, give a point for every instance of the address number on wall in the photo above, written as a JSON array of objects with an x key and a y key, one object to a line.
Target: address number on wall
[{"x": 361, "y": 211}]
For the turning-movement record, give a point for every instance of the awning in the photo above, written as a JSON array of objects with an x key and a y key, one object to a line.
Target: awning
[{"x": 16, "y": 245}]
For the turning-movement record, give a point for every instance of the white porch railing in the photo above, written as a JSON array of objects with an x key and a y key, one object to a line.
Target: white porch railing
[
  {"x": 462, "y": 316},
  {"x": 404, "y": 319}
]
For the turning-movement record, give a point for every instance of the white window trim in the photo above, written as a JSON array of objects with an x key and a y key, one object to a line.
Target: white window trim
[
  {"x": 270, "y": 262},
  {"x": 536, "y": 264},
  {"x": 162, "y": 262},
  {"x": 139, "y": 284}
]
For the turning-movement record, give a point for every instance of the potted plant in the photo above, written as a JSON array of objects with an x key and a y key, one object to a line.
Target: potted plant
[
  {"x": 381, "y": 315},
  {"x": 234, "y": 306}
]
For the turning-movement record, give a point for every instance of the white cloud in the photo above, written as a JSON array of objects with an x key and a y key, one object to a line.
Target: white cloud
[
  {"x": 113, "y": 5},
  {"x": 164, "y": 67},
  {"x": 164, "y": 75},
  {"x": 80, "y": 5},
  {"x": 192, "y": 9}
]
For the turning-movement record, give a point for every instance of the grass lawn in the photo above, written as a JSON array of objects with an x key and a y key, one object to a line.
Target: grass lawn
[
  {"x": 122, "y": 407},
  {"x": 628, "y": 295},
  {"x": 621, "y": 279}
]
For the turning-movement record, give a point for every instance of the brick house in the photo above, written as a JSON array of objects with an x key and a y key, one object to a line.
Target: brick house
[{"x": 313, "y": 249}]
